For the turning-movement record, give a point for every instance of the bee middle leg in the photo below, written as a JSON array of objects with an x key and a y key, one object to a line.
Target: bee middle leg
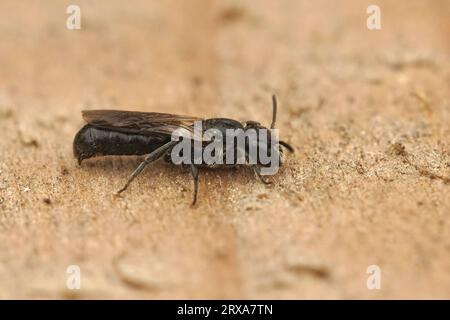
[
  {"x": 194, "y": 171},
  {"x": 155, "y": 155}
]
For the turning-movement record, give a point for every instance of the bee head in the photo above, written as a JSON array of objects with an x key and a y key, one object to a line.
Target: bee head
[{"x": 257, "y": 126}]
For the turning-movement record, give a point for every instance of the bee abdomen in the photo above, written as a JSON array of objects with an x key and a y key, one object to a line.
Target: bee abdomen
[{"x": 91, "y": 142}]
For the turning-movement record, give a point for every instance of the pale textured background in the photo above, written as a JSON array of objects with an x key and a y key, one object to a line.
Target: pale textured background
[{"x": 350, "y": 197}]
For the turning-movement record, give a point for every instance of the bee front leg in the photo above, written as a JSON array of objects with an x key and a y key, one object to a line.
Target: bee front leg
[
  {"x": 257, "y": 172},
  {"x": 256, "y": 169},
  {"x": 194, "y": 171}
]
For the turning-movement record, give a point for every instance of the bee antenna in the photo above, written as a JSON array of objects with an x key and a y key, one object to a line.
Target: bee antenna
[{"x": 274, "y": 112}]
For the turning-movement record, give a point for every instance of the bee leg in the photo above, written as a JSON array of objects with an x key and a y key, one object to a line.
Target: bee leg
[
  {"x": 194, "y": 171},
  {"x": 256, "y": 169},
  {"x": 257, "y": 172},
  {"x": 155, "y": 155}
]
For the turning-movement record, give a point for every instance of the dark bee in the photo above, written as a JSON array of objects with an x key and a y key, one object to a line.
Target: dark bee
[{"x": 114, "y": 132}]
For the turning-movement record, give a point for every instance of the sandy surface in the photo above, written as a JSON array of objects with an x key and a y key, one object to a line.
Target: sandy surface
[{"x": 368, "y": 112}]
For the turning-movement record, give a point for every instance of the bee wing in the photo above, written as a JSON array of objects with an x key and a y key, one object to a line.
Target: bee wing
[{"x": 145, "y": 123}]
